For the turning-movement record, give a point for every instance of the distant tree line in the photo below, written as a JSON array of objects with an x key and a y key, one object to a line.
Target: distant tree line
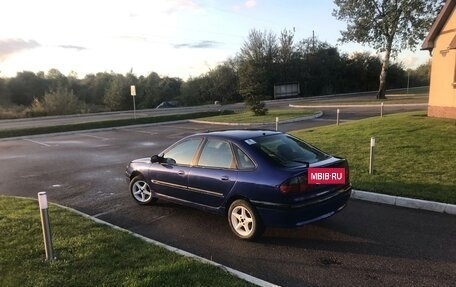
[{"x": 264, "y": 59}]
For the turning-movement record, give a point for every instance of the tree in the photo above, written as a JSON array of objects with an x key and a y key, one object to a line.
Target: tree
[
  {"x": 287, "y": 58},
  {"x": 387, "y": 25},
  {"x": 421, "y": 76},
  {"x": 252, "y": 89},
  {"x": 4, "y": 93},
  {"x": 318, "y": 60},
  {"x": 56, "y": 80},
  {"x": 117, "y": 93},
  {"x": 169, "y": 89},
  {"x": 60, "y": 101},
  {"x": 26, "y": 87},
  {"x": 150, "y": 89},
  {"x": 256, "y": 70},
  {"x": 224, "y": 84}
]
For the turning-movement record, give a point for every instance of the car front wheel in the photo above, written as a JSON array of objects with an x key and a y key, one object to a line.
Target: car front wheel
[
  {"x": 244, "y": 221},
  {"x": 140, "y": 190}
]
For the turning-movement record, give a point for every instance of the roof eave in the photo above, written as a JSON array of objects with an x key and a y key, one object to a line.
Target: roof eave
[{"x": 438, "y": 24}]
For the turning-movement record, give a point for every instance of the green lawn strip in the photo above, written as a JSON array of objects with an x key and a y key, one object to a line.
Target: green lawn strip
[
  {"x": 103, "y": 124},
  {"x": 414, "y": 155},
  {"x": 89, "y": 254},
  {"x": 411, "y": 90},
  {"x": 270, "y": 117},
  {"x": 412, "y": 99}
]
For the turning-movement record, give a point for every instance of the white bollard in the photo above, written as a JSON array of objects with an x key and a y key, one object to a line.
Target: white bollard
[
  {"x": 277, "y": 123},
  {"x": 338, "y": 112},
  {"x": 42, "y": 200},
  {"x": 371, "y": 159},
  {"x": 381, "y": 110}
]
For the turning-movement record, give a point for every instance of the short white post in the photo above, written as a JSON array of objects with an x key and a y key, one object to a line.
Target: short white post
[
  {"x": 277, "y": 123},
  {"x": 371, "y": 159},
  {"x": 338, "y": 112},
  {"x": 133, "y": 95},
  {"x": 381, "y": 110},
  {"x": 42, "y": 200}
]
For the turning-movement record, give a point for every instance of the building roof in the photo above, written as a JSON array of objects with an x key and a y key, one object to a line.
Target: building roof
[{"x": 439, "y": 22}]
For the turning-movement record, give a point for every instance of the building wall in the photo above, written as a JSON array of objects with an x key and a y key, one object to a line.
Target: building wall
[{"x": 442, "y": 92}]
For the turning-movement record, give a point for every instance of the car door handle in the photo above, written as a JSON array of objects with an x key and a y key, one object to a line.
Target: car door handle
[
  {"x": 181, "y": 172},
  {"x": 225, "y": 178}
]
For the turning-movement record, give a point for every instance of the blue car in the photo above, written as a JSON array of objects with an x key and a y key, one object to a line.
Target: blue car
[{"x": 256, "y": 178}]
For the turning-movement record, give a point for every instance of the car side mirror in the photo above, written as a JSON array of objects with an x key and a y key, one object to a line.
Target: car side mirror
[{"x": 156, "y": 158}]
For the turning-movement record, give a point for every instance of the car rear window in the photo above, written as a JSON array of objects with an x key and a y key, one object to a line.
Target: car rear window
[{"x": 286, "y": 150}]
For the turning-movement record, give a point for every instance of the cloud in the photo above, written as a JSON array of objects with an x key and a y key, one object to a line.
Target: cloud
[
  {"x": 247, "y": 4},
  {"x": 176, "y": 5},
  {"x": 11, "y": 46},
  {"x": 250, "y": 4},
  {"x": 198, "y": 45},
  {"x": 77, "y": 48}
]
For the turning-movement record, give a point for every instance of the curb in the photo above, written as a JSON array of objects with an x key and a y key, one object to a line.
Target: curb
[
  {"x": 91, "y": 130},
  {"x": 358, "y": 106},
  {"x": 405, "y": 202},
  {"x": 314, "y": 116},
  {"x": 234, "y": 272}
]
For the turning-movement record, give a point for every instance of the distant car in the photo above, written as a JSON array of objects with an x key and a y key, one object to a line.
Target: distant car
[
  {"x": 168, "y": 104},
  {"x": 255, "y": 178}
]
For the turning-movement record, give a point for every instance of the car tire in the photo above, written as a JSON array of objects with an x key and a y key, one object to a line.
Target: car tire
[
  {"x": 244, "y": 220},
  {"x": 141, "y": 191}
]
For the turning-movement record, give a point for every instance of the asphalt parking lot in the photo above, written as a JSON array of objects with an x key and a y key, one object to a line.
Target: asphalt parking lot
[{"x": 366, "y": 244}]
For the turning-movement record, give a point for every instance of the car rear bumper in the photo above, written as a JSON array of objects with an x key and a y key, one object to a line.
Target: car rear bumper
[{"x": 298, "y": 214}]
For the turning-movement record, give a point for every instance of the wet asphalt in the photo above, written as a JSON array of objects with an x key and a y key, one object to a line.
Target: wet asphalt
[{"x": 366, "y": 244}]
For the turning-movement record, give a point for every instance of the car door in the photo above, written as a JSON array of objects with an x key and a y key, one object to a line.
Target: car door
[
  {"x": 214, "y": 175},
  {"x": 170, "y": 178}
]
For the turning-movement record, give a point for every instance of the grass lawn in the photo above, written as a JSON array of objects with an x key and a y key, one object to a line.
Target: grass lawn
[
  {"x": 89, "y": 254},
  {"x": 270, "y": 117},
  {"x": 414, "y": 155},
  {"x": 371, "y": 100}
]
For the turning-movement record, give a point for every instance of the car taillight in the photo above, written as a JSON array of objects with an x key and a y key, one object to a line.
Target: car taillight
[{"x": 295, "y": 185}]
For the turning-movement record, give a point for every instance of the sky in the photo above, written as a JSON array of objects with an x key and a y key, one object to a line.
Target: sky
[{"x": 175, "y": 38}]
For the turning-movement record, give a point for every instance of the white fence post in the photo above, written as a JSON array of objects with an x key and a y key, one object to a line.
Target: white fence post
[{"x": 42, "y": 200}]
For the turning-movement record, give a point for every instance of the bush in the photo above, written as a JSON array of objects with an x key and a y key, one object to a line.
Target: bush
[
  {"x": 256, "y": 106},
  {"x": 59, "y": 102},
  {"x": 12, "y": 112}
]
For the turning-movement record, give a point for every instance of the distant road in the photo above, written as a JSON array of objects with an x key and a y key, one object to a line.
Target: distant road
[{"x": 97, "y": 117}]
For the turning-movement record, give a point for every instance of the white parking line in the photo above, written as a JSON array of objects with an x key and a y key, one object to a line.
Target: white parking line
[
  {"x": 95, "y": 137},
  {"x": 141, "y": 132},
  {"x": 36, "y": 142},
  {"x": 145, "y": 132}
]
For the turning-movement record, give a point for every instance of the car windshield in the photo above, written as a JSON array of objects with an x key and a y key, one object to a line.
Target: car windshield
[{"x": 286, "y": 150}]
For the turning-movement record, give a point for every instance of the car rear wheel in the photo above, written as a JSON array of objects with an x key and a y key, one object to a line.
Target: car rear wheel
[
  {"x": 140, "y": 190},
  {"x": 244, "y": 221}
]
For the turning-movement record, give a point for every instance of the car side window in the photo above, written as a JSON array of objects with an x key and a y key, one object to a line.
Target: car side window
[
  {"x": 243, "y": 160},
  {"x": 217, "y": 154},
  {"x": 183, "y": 153}
]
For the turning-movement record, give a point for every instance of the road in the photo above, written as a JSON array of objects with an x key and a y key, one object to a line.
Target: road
[
  {"x": 355, "y": 113},
  {"x": 84, "y": 118},
  {"x": 366, "y": 244}
]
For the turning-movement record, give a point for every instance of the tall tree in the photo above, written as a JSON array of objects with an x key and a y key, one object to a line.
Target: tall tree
[
  {"x": 256, "y": 71},
  {"x": 117, "y": 93},
  {"x": 386, "y": 25},
  {"x": 225, "y": 84},
  {"x": 4, "y": 93},
  {"x": 26, "y": 87},
  {"x": 287, "y": 57}
]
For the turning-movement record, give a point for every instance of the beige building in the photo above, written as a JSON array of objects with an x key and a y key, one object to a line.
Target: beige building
[{"x": 441, "y": 42}]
